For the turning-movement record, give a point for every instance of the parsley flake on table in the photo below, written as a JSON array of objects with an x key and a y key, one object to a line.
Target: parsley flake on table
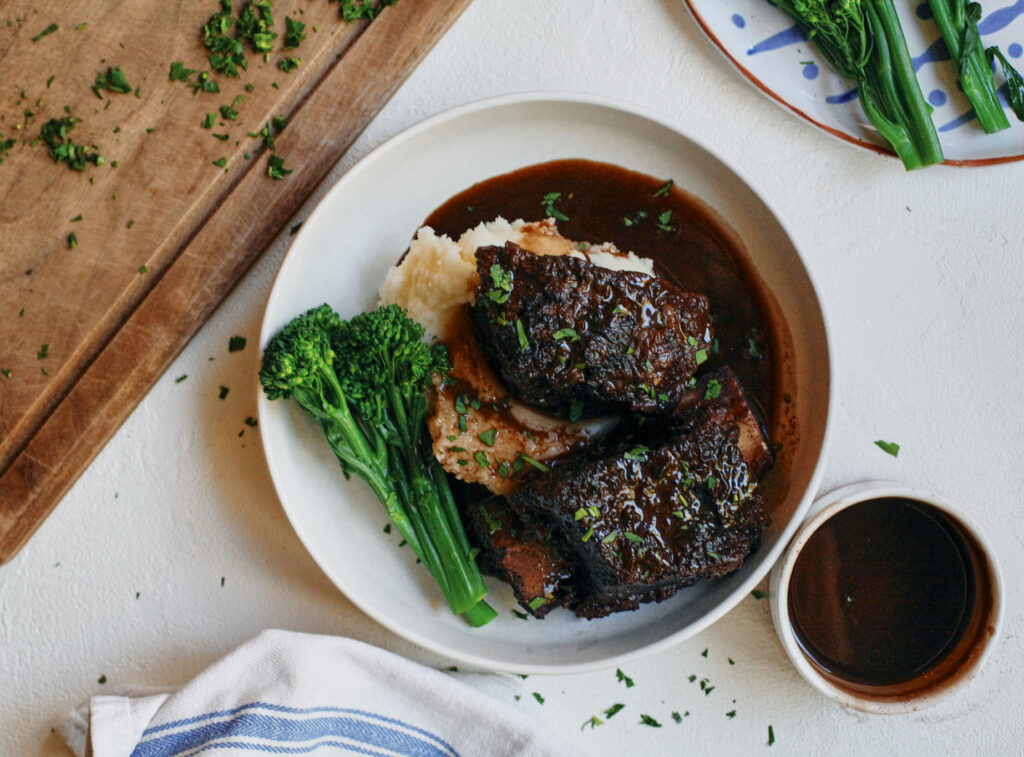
[
  {"x": 890, "y": 448},
  {"x": 205, "y": 83},
  {"x": 253, "y": 25},
  {"x": 623, "y": 678},
  {"x": 677, "y": 717},
  {"x": 230, "y": 112},
  {"x": 181, "y": 378},
  {"x": 48, "y": 30},
  {"x": 112, "y": 80},
  {"x": 251, "y": 422},
  {"x": 236, "y": 344},
  {"x": 613, "y": 710},
  {"x": 72, "y": 241},
  {"x": 44, "y": 352},
  {"x": 101, "y": 680},
  {"x": 593, "y": 722},
  {"x": 220, "y": 162},
  {"x": 226, "y": 54},
  {"x": 5, "y": 147},
  {"x": 143, "y": 269},
  {"x": 223, "y": 392},
  {"x": 758, "y": 594},
  {"x": 289, "y": 64},
  {"x": 209, "y": 121},
  {"x": 538, "y": 697},
  {"x": 731, "y": 714},
  {"x": 275, "y": 167},
  {"x": 648, "y": 720},
  {"x": 771, "y": 735}
]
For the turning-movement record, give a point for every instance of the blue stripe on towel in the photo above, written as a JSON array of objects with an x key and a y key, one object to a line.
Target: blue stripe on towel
[
  {"x": 418, "y": 743},
  {"x": 277, "y": 749},
  {"x": 295, "y": 711}
]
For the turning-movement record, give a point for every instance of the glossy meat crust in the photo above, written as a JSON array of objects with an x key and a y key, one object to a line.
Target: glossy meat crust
[
  {"x": 639, "y": 525},
  {"x": 569, "y": 335}
]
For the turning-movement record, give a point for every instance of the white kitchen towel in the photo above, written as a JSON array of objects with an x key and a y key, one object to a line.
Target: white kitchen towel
[{"x": 286, "y": 693}]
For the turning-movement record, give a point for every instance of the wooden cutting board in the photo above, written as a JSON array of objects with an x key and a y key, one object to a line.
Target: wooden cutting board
[{"x": 161, "y": 234}]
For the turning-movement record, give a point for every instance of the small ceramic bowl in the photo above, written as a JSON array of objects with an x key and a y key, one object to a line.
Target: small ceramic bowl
[{"x": 956, "y": 668}]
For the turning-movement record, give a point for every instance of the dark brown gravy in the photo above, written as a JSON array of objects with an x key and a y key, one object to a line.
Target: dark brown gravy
[
  {"x": 884, "y": 594},
  {"x": 695, "y": 251}
]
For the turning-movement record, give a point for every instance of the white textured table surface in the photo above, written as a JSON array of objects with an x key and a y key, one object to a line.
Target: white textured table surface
[{"x": 172, "y": 548}]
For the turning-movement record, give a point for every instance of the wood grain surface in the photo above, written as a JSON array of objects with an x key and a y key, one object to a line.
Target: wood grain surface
[{"x": 164, "y": 234}]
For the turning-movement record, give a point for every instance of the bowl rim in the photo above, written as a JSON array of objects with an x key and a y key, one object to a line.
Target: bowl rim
[
  {"x": 824, "y": 508},
  {"x": 755, "y": 577}
]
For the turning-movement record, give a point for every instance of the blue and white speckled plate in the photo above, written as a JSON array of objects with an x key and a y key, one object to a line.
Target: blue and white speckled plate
[{"x": 764, "y": 44}]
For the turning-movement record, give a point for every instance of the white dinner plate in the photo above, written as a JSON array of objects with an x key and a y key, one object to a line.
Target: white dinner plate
[
  {"x": 361, "y": 228},
  {"x": 769, "y": 49}
]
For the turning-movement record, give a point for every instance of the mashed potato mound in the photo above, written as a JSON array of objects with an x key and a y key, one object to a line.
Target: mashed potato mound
[{"x": 435, "y": 282}]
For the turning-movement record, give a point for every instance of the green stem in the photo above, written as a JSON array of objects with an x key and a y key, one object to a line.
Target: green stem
[
  {"x": 882, "y": 15},
  {"x": 480, "y": 614},
  {"x": 976, "y": 77}
]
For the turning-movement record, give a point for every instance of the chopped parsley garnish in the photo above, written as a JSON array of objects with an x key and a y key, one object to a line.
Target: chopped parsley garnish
[
  {"x": 548, "y": 203},
  {"x": 72, "y": 241},
  {"x": 613, "y": 710},
  {"x": 890, "y": 448},
  {"x": 731, "y": 714},
  {"x": 493, "y": 524},
  {"x": 536, "y": 464},
  {"x": 179, "y": 72},
  {"x": 101, "y": 680},
  {"x": 143, "y": 269},
  {"x": 575, "y": 410},
  {"x": 675, "y": 715},
  {"x": 648, "y": 720},
  {"x": 635, "y": 218},
  {"x": 633, "y": 537},
  {"x": 502, "y": 284},
  {"x": 205, "y": 83},
  {"x": 112, "y": 80},
  {"x": 6, "y": 372},
  {"x": 700, "y": 356},
  {"x": 593, "y": 721},
  {"x": 230, "y": 112},
  {"x": 236, "y": 344},
  {"x": 221, "y": 137},
  {"x": 665, "y": 221},
  {"x": 488, "y": 437},
  {"x": 713, "y": 556},
  {"x": 714, "y": 389},
  {"x": 587, "y": 536},
  {"x": 538, "y": 602},
  {"x": 250, "y": 422},
  {"x": 48, "y": 30},
  {"x": 221, "y": 162},
  {"x": 289, "y": 64},
  {"x": 481, "y": 459},
  {"x": 524, "y": 343},
  {"x": 5, "y": 146},
  {"x": 569, "y": 334},
  {"x": 295, "y": 229},
  {"x": 619, "y": 310},
  {"x": 731, "y": 661},
  {"x": 353, "y": 10},
  {"x": 758, "y": 594},
  {"x": 254, "y": 25},
  {"x": 664, "y": 189},
  {"x": 538, "y": 697},
  {"x": 294, "y": 33},
  {"x": 460, "y": 404},
  {"x": 44, "y": 352},
  {"x": 637, "y": 453},
  {"x": 704, "y": 653},
  {"x": 276, "y": 169},
  {"x": 610, "y": 537},
  {"x": 77, "y": 218},
  {"x": 223, "y": 392},
  {"x": 623, "y": 678},
  {"x": 504, "y": 469},
  {"x": 55, "y": 134},
  {"x": 181, "y": 378},
  {"x": 227, "y": 54},
  {"x": 771, "y": 735}
]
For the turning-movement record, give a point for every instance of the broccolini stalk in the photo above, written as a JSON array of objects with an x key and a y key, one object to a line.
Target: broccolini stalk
[
  {"x": 863, "y": 41},
  {"x": 958, "y": 22},
  {"x": 365, "y": 382}
]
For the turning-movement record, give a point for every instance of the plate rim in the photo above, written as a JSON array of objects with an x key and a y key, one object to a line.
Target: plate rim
[
  {"x": 739, "y": 592},
  {"x": 837, "y": 133}
]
